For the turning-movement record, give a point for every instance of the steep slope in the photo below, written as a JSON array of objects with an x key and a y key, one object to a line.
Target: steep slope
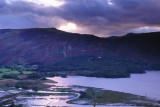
[
  {"x": 49, "y": 45},
  {"x": 44, "y": 45},
  {"x": 143, "y": 47}
]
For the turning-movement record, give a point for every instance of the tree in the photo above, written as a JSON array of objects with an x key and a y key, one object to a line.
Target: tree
[{"x": 94, "y": 94}]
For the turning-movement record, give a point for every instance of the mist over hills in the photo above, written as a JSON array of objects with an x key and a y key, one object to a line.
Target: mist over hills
[{"x": 49, "y": 45}]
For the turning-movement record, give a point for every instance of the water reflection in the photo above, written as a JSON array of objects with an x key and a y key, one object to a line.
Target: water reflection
[
  {"x": 140, "y": 84},
  {"x": 43, "y": 101}
]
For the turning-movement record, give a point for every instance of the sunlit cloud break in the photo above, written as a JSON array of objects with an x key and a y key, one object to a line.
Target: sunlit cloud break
[
  {"x": 110, "y": 2},
  {"x": 98, "y": 17},
  {"x": 68, "y": 27}
]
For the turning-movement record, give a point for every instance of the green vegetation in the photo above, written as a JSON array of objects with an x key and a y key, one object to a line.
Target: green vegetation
[
  {"x": 47, "y": 94},
  {"x": 85, "y": 65},
  {"x": 94, "y": 66},
  {"x": 103, "y": 97},
  {"x": 6, "y": 71},
  {"x": 32, "y": 84},
  {"x": 10, "y": 88},
  {"x": 27, "y": 72},
  {"x": 14, "y": 76},
  {"x": 13, "y": 72},
  {"x": 92, "y": 96}
]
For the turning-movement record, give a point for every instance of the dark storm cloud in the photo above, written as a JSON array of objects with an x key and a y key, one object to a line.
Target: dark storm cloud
[
  {"x": 100, "y": 17},
  {"x": 120, "y": 17}
]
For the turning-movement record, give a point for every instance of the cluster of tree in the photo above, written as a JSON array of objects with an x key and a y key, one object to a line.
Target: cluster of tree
[
  {"x": 152, "y": 66},
  {"x": 11, "y": 76},
  {"x": 42, "y": 75},
  {"x": 20, "y": 67},
  {"x": 94, "y": 66},
  {"x": 27, "y": 85},
  {"x": 91, "y": 93},
  {"x": 86, "y": 65}
]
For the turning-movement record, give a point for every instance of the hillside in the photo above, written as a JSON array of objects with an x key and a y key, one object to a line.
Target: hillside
[{"x": 49, "y": 45}]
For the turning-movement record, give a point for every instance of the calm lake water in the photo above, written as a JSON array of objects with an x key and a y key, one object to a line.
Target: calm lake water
[{"x": 141, "y": 84}]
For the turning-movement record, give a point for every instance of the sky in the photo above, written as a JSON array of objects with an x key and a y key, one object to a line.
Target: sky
[{"x": 99, "y": 17}]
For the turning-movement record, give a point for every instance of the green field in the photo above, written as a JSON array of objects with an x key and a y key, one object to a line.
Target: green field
[
  {"x": 27, "y": 72},
  {"x": 6, "y": 71}
]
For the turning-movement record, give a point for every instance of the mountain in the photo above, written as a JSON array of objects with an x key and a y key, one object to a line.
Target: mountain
[
  {"x": 49, "y": 45},
  {"x": 112, "y": 37}
]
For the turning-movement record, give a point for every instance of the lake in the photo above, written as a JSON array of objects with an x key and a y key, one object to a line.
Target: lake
[{"x": 140, "y": 84}]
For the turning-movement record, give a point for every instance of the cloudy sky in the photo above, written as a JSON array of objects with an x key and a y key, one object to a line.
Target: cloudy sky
[{"x": 99, "y": 17}]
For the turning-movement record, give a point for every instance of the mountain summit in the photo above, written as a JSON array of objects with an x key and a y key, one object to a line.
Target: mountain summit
[{"x": 49, "y": 45}]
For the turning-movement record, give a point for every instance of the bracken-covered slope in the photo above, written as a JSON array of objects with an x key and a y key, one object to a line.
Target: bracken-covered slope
[{"x": 49, "y": 45}]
